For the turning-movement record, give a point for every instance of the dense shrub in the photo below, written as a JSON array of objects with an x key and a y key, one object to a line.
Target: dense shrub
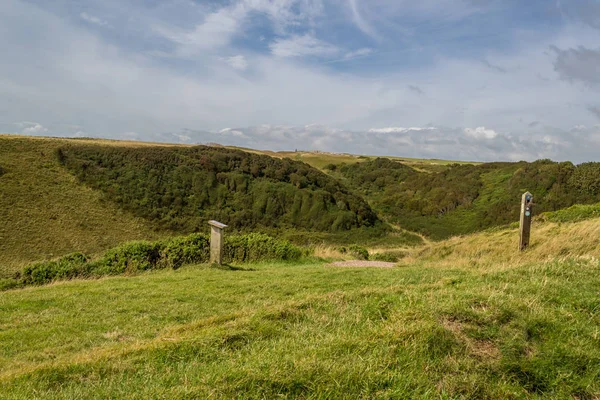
[
  {"x": 7, "y": 284},
  {"x": 575, "y": 213},
  {"x": 139, "y": 256},
  {"x": 67, "y": 267},
  {"x": 182, "y": 188},
  {"x": 355, "y": 251},
  {"x": 130, "y": 257},
  {"x": 190, "y": 249},
  {"x": 586, "y": 178},
  {"x": 2, "y": 170},
  {"x": 388, "y": 256},
  {"x": 255, "y": 247}
]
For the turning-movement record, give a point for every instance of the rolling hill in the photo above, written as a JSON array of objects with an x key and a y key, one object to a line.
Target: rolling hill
[
  {"x": 182, "y": 188},
  {"x": 467, "y": 198},
  {"x": 469, "y": 317},
  {"x": 45, "y": 212},
  {"x": 465, "y": 317},
  {"x": 58, "y": 196}
]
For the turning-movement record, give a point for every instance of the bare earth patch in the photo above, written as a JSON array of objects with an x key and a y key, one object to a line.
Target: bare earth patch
[
  {"x": 365, "y": 264},
  {"x": 484, "y": 349}
]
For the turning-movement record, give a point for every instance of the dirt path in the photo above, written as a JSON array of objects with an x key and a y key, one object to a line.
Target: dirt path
[{"x": 364, "y": 264}]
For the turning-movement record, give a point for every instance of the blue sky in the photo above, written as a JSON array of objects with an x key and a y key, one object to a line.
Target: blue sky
[{"x": 458, "y": 79}]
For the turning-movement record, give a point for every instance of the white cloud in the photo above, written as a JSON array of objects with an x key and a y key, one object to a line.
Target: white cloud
[
  {"x": 215, "y": 31},
  {"x": 106, "y": 91},
  {"x": 31, "y": 128},
  {"x": 481, "y": 133},
  {"x": 93, "y": 19},
  {"x": 305, "y": 45},
  {"x": 237, "y": 62},
  {"x": 360, "y": 22},
  {"x": 219, "y": 27},
  {"x": 441, "y": 142},
  {"x": 233, "y": 132},
  {"x": 400, "y": 129}
]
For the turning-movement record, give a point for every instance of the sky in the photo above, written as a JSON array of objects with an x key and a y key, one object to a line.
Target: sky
[{"x": 479, "y": 80}]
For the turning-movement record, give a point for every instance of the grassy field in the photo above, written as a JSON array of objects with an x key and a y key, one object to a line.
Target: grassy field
[
  {"x": 320, "y": 159},
  {"x": 464, "y": 318},
  {"x": 46, "y": 213}
]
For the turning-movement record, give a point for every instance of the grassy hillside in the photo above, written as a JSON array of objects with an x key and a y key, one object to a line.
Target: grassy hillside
[
  {"x": 464, "y": 318},
  {"x": 148, "y": 191},
  {"x": 45, "y": 212},
  {"x": 321, "y": 159},
  {"x": 467, "y": 198}
]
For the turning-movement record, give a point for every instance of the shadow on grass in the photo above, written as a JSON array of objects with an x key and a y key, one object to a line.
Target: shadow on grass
[{"x": 228, "y": 267}]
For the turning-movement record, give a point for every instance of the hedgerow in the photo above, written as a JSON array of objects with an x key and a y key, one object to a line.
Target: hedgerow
[{"x": 134, "y": 257}]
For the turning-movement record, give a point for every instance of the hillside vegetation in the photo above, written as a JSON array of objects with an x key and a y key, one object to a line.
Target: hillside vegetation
[
  {"x": 45, "y": 212},
  {"x": 59, "y": 196},
  {"x": 182, "y": 188},
  {"x": 467, "y": 198},
  {"x": 464, "y": 318}
]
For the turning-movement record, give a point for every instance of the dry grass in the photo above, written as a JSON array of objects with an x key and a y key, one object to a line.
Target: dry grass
[
  {"x": 498, "y": 248},
  {"x": 45, "y": 213},
  {"x": 330, "y": 253}
]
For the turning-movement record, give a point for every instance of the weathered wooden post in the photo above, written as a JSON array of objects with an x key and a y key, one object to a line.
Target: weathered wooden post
[
  {"x": 525, "y": 223},
  {"x": 216, "y": 242}
]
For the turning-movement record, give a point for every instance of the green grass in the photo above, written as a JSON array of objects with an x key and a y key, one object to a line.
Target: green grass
[
  {"x": 307, "y": 331},
  {"x": 319, "y": 159},
  {"x": 45, "y": 213},
  {"x": 578, "y": 212}
]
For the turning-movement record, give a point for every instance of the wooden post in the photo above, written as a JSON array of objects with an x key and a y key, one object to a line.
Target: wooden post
[
  {"x": 216, "y": 242},
  {"x": 525, "y": 223}
]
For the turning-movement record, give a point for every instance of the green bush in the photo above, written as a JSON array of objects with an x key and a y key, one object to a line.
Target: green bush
[
  {"x": 139, "y": 256},
  {"x": 389, "y": 256},
  {"x": 575, "y": 213},
  {"x": 7, "y": 284},
  {"x": 185, "y": 250},
  {"x": 67, "y": 267},
  {"x": 257, "y": 247},
  {"x": 355, "y": 251},
  {"x": 129, "y": 257}
]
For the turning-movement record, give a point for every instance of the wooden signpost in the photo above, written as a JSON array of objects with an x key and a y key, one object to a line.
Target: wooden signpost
[
  {"x": 525, "y": 223},
  {"x": 216, "y": 242}
]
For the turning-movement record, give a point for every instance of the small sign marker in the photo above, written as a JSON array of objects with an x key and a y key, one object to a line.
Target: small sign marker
[
  {"x": 216, "y": 242},
  {"x": 525, "y": 222}
]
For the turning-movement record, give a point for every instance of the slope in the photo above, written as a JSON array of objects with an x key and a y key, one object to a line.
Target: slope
[
  {"x": 469, "y": 318},
  {"x": 45, "y": 212},
  {"x": 468, "y": 198},
  {"x": 182, "y": 188}
]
